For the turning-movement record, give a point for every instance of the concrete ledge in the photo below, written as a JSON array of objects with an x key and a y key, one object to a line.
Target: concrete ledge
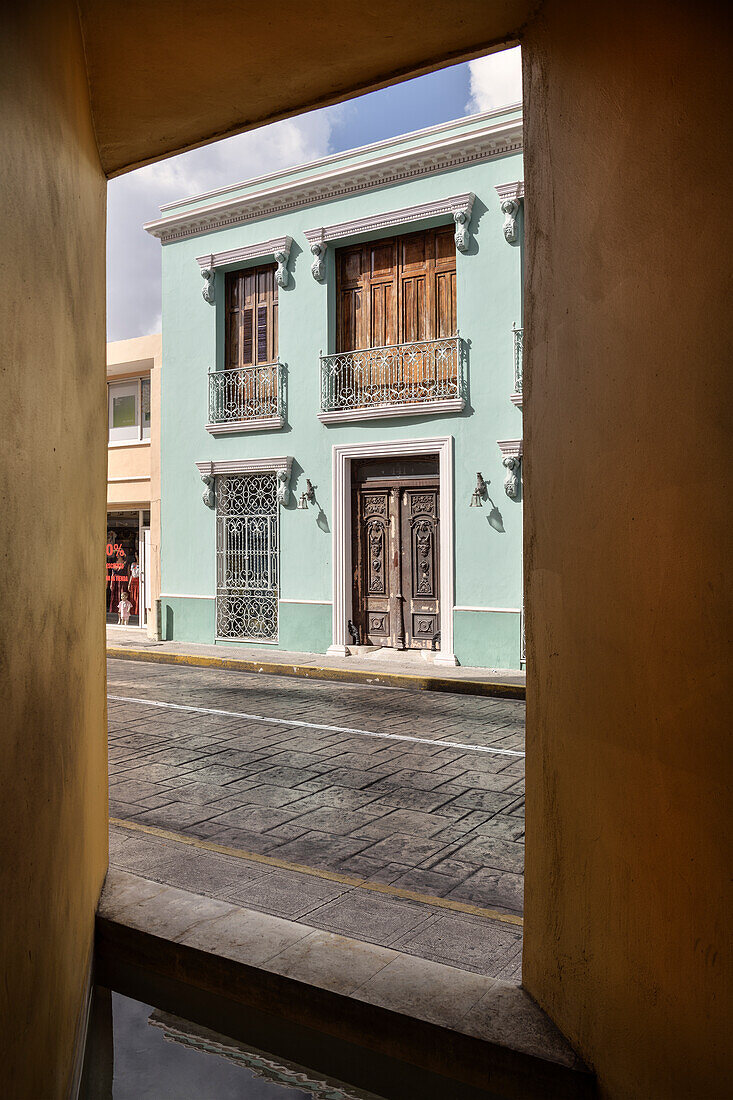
[
  {"x": 375, "y": 1018},
  {"x": 376, "y": 678}
]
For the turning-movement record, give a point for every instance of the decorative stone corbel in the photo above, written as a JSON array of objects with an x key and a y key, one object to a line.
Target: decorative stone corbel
[
  {"x": 283, "y": 485},
  {"x": 282, "y": 255},
  {"x": 510, "y": 209},
  {"x": 208, "y": 274},
  {"x": 208, "y": 495},
  {"x": 511, "y": 450},
  {"x": 318, "y": 267},
  {"x": 513, "y": 477},
  {"x": 317, "y": 243},
  {"x": 510, "y": 196},
  {"x": 462, "y": 218}
]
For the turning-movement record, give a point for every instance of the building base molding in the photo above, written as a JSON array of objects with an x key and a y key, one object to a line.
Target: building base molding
[
  {"x": 257, "y": 424},
  {"x": 343, "y": 456}
]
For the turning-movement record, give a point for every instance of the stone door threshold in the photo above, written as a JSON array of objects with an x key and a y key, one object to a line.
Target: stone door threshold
[{"x": 376, "y": 1018}]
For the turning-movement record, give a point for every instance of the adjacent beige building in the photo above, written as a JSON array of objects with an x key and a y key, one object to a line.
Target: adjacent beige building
[{"x": 133, "y": 479}]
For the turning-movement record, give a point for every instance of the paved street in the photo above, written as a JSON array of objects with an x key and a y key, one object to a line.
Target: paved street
[{"x": 416, "y": 800}]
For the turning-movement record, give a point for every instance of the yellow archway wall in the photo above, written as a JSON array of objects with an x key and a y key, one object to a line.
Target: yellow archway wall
[
  {"x": 626, "y": 453},
  {"x": 627, "y": 539},
  {"x": 53, "y": 743}
]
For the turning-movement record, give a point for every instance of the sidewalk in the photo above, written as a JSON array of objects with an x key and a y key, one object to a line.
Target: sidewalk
[{"x": 404, "y": 670}]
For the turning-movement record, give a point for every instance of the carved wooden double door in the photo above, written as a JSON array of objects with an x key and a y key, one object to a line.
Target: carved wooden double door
[{"x": 396, "y": 565}]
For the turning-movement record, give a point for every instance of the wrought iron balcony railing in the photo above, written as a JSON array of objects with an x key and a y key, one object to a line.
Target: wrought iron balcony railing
[
  {"x": 392, "y": 380},
  {"x": 246, "y": 398},
  {"x": 518, "y": 351}
]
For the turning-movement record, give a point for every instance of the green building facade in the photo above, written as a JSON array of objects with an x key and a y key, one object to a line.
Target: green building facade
[{"x": 342, "y": 347}]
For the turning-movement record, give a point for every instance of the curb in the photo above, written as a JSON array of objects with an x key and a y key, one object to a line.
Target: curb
[{"x": 322, "y": 672}]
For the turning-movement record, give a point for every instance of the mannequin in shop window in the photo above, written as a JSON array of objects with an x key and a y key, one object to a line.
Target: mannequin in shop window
[
  {"x": 124, "y": 607},
  {"x": 134, "y": 585}
]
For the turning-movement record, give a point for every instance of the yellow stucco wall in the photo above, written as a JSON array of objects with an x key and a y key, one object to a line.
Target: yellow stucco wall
[
  {"x": 53, "y": 807},
  {"x": 130, "y": 463},
  {"x": 627, "y": 460},
  {"x": 625, "y": 418}
]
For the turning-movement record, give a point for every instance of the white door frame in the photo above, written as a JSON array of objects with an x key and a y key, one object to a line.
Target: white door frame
[{"x": 343, "y": 455}]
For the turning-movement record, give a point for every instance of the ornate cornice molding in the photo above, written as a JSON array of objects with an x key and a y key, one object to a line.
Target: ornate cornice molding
[
  {"x": 241, "y": 255},
  {"x": 281, "y": 467},
  {"x": 445, "y": 208},
  {"x": 510, "y": 191},
  {"x": 510, "y": 448},
  {"x": 246, "y": 466},
  {"x": 441, "y": 155},
  {"x": 510, "y": 196}
]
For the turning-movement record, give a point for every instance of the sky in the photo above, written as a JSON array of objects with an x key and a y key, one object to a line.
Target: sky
[{"x": 133, "y": 256}]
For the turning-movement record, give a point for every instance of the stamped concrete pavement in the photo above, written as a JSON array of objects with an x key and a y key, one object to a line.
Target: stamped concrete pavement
[{"x": 403, "y": 826}]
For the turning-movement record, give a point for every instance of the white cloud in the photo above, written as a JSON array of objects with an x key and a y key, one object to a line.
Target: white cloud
[
  {"x": 496, "y": 80},
  {"x": 133, "y": 257}
]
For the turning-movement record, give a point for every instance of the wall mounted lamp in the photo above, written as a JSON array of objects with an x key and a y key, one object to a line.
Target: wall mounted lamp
[
  {"x": 308, "y": 496},
  {"x": 479, "y": 493}
]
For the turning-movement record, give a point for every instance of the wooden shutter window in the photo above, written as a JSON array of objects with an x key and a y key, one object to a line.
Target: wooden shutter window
[
  {"x": 247, "y": 332},
  {"x": 262, "y": 334},
  {"x": 251, "y": 321},
  {"x": 396, "y": 291}
]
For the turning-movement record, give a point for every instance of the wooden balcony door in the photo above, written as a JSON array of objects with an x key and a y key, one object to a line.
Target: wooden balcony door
[
  {"x": 396, "y": 291},
  {"x": 251, "y": 340},
  {"x": 395, "y": 552}
]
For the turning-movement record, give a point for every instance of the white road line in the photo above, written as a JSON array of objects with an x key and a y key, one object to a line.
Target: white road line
[{"x": 317, "y": 726}]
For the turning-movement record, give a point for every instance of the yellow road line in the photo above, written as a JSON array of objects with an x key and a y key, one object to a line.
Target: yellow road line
[
  {"x": 331, "y": 876},
  {"x": 323, "y": 672}
]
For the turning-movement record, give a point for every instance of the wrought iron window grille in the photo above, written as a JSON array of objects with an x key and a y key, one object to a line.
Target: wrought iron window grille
[{"x": 247, "y": 557}]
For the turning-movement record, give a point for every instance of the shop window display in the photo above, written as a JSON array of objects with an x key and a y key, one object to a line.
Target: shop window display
[{"x": 123, "y": 575}]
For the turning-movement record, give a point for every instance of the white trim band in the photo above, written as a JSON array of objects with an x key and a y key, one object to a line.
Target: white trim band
[
  {"x": 290, "y": 599},
  {"x": 118, "y": 480},
  {"x": 184, "y": 596},
  {"x": 380, "y": 412},
  {"x": 256, "y": 424},
  {"x": 496, "y": 610}
]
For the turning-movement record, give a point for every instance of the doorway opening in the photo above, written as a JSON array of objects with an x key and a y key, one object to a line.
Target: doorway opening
[{"x": 395, "y": 510}]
